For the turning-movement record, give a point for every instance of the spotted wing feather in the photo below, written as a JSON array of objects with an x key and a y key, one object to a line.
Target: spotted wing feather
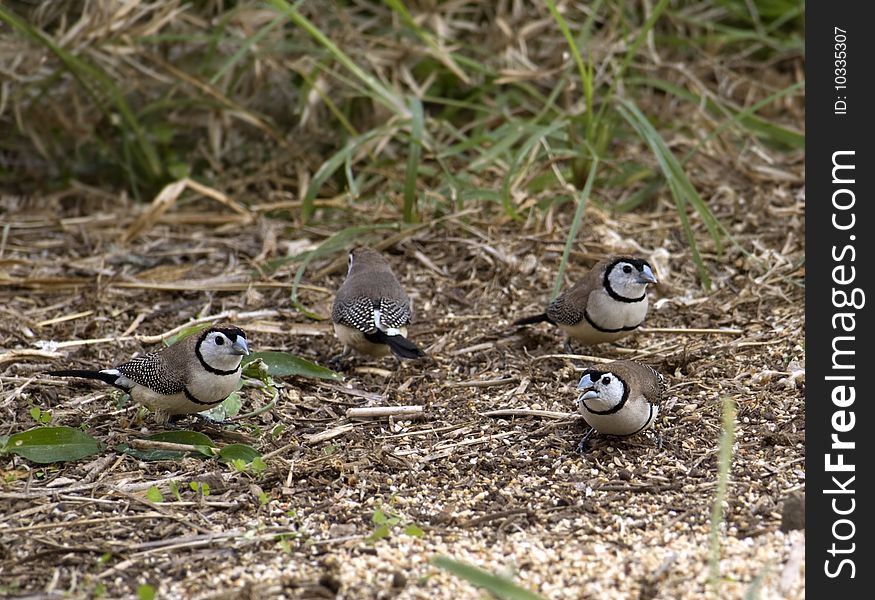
[{"x": 151, "y": 371}]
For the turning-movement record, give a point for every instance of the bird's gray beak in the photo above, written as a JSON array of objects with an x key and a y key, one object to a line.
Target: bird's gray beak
[
  {"x": 646, "y": 275},
  {"x": 240, "y": 347},
  {"x": 585, "y": 382},
  {"x": 588, "y": 395}
]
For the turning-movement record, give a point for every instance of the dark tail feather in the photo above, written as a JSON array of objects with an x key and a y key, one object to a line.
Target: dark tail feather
[
  {"x": 86, "y": 374},
  {"x": 541, "y": 318},
  {"x": 398, "y": 344}
]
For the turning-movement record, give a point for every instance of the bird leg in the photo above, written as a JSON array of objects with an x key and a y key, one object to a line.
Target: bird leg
[
  {"x": 211, "y": 421},
  {"x": 582, "y": 444},
  {"x": 169, "y": 421},
  {"x": 336, "y": 362},
  {"x": 658, "y": 441},
  {"x": 567, "y": 346}
]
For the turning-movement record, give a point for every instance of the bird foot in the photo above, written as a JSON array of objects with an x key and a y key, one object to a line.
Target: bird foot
[
  {"x": 583, "y": 444},
  {"x": 336, "y": 363},
  {"x": 211, "y": 421}
]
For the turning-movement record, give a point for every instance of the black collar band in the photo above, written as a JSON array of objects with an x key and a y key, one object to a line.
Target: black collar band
[
  {"x": 598, "y": 327},
  {"x": 646, "y": 422},
  {"x": 613, "y": 409},
  {"x": 192, "y": 398},
  {"x": 210, "y": 369},
  {"x": 611, "y": 292}
]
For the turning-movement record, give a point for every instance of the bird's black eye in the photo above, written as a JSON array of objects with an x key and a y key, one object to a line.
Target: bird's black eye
[
  {"x": 220, "y": 341},
  {"x": 606, "y": 380},
  {"x": 627, "y": 269}
]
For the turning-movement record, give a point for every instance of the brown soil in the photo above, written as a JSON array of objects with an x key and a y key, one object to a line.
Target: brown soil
[{"x": 507, "y": 493}]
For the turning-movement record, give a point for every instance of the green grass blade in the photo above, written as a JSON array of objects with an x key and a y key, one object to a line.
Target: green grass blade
[
  {"x": 380, "y": 92},
  {"x": 679, "y": 184},
  {"x": 417, "y": 125},
  {"x": 681, "y": 206},
  {"x": 584, "y": 70},
  {"x": 329, "y": 246},
  {"x": 186, "y": 332},
  {"x": 575, "y": 225},
  {"x": 499, "y": 141},
  {"x": 443, "y": 55},
  {"x": 84, "y": 73},
  {"x": 513, "y": 172},
  {"x": 645, "y": 30},
  {"x": 746, "y": 118},
  {"x": 497, "y": 586},
  {"x": 248, "y": 44},
  {"x": 724, "y": 463},
  {"x": 327, "y": 169}
]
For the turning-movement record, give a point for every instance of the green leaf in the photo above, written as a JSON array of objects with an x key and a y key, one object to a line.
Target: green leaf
[
  {"x": 146, "y": 592},
  {"x": 498, "y": 586},
  {"x": 199, "y": 443},
  {"x": 379, "y": 533},
  {"x": 283, "y": 364},
  {"x": 191, "y": 438},
  {"x": 414, "y": 530},
  {"x": 228, "y": 408},
  {"x": 174, "y": 489},
  {"x": 379, "y": 517},
  {"x": 51, "y": 444},
  {"x": 238, "y": 452},
  {"x": 153, "y": 494},
  {"x": 201, "y": 487},
  {"x": 148, "y": 454},
  {"x": 186, "y": 332},
  {"x": 232, "y": 404}
]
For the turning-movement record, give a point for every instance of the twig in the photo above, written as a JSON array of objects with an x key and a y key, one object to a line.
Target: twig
[
  {"x": 482, "y": 382},
  {"x": 528, "y": 412},
  {"x": 352, "y": 391},
  {"x": 81, "y": 522},
  {"x": 154, "y": 339},
  {"x": 497, "y": 515},
  {"x": 280, "y": 450},
  {"x": 474, "y": 348},
  {"x": 16, "y": 355},
  {"x": 384, "y": 411},
  {"x": 445, "y": 451},
  {"x": 16, "y": 392},
  {"x": 78, "y": 315},
  {"x": 374, "y": 371},
  {"x": 159, "y": 445},
  {"x": 586, "y": 357},
  {"x": 255, "y": 412},
  {"x": 328, "y": 434},
  {"x": 692, "y": 330}
]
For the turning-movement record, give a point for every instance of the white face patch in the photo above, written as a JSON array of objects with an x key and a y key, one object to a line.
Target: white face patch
[
  {"x": 602, "y": 393},
  {"x": 625, "y": 280},
  {"x": 218, "y": 352}
]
